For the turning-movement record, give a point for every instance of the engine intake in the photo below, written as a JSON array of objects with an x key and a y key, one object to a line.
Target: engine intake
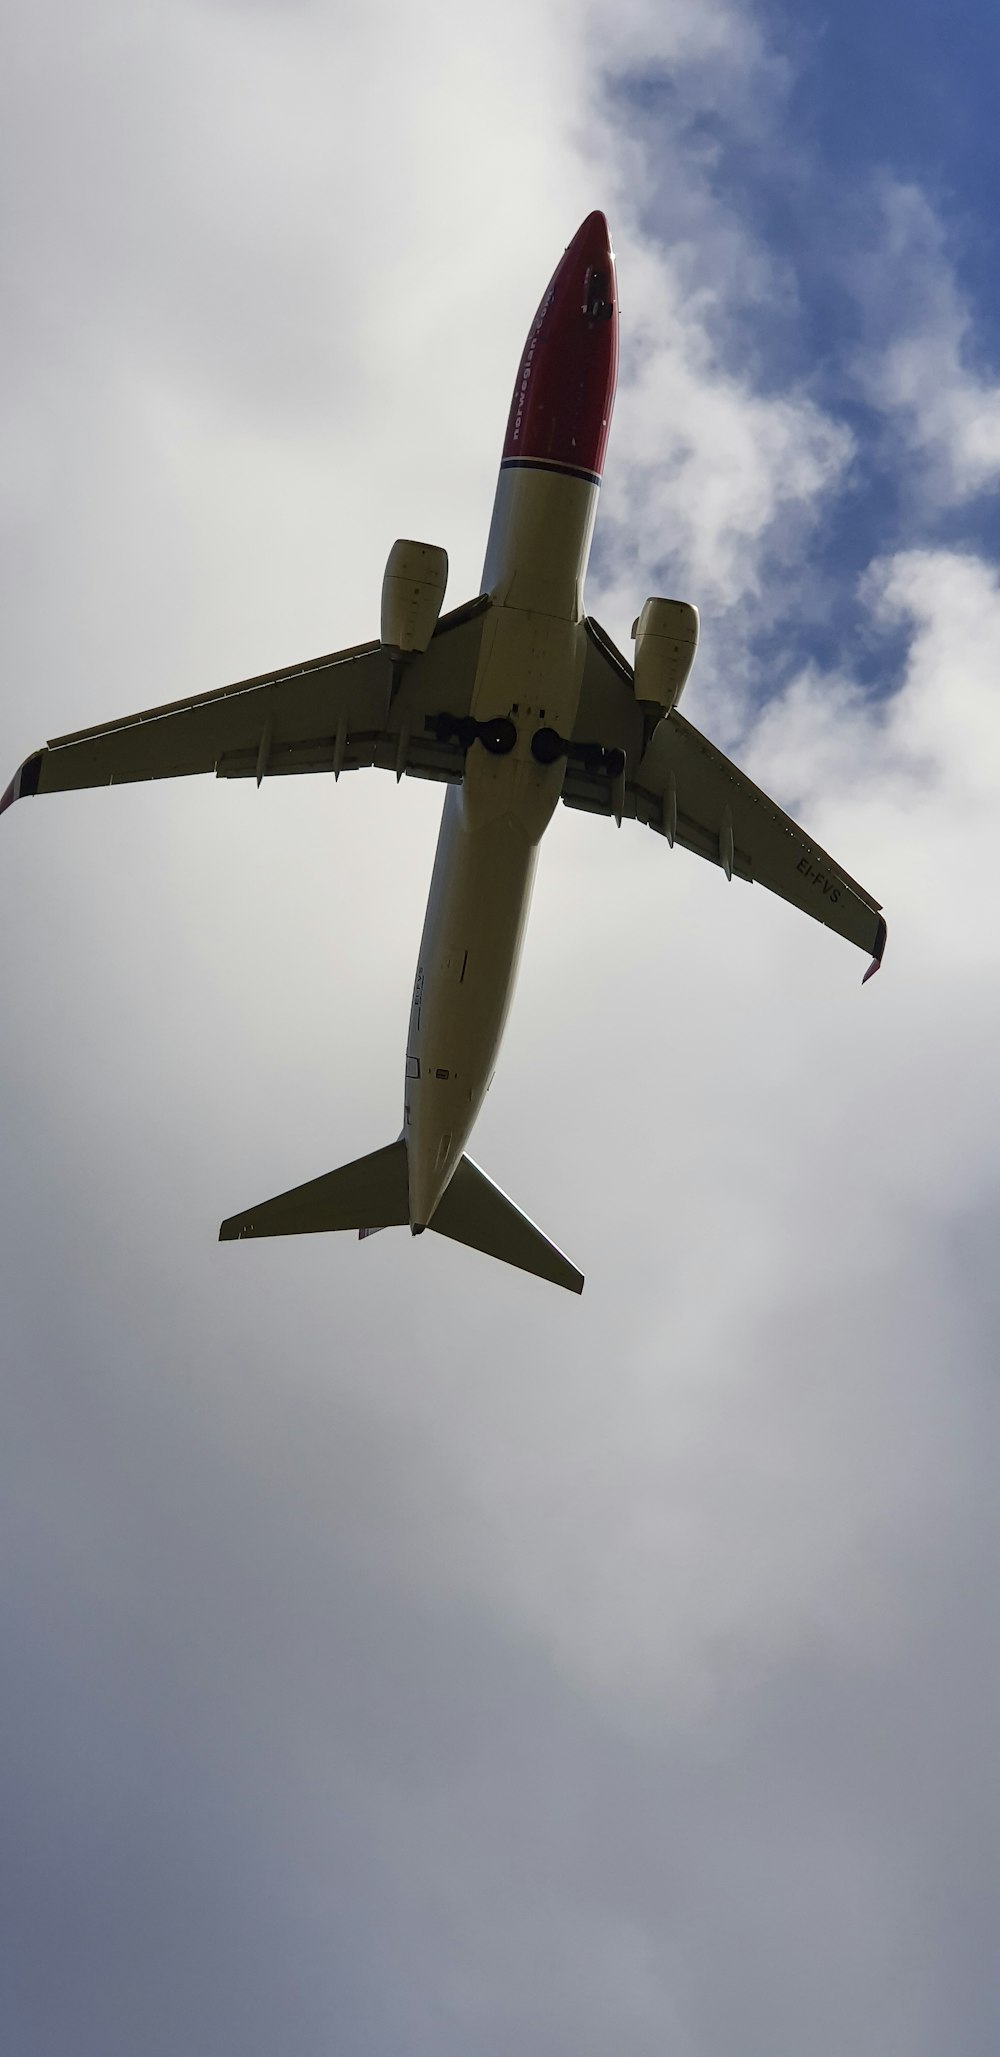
[
  {"x": 666, "y": 638},
  {"x": 412, "y": 593}
]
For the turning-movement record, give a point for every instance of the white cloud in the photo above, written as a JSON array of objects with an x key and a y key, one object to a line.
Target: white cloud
[
  {"x": 709, "y": 475},
  {"x": 924, "y": 371}
]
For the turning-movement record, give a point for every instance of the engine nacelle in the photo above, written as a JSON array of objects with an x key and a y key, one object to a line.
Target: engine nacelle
[
  {"x": 666, "y": 638},
  {"x": 412, "y": 593}
]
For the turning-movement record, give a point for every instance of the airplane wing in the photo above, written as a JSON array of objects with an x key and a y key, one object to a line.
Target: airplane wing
[
  {"x": 334, "y": 713},
  {"x": 680, "y": 785}
]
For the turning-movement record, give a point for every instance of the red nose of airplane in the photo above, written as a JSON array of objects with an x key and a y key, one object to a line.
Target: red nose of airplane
[{"x": 561, "y": 411}]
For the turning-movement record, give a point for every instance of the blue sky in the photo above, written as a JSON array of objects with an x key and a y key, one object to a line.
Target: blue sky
[
  {"x": 908, "y": 88},
  {"x": 393, "y": 1656},
  {"x": 854, "y": 104}
]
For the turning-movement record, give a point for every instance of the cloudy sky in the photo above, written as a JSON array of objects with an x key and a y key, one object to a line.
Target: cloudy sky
[{"x": 397, "y": 1654}]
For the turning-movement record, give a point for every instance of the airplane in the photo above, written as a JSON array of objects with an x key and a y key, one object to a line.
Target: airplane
[{"x": 515, "y": 700}]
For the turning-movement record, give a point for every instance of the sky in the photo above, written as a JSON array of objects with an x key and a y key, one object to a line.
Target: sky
[{"x": 396, "y": 1653}]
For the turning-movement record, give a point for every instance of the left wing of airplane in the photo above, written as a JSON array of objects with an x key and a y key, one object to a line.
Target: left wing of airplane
[
  {"x": 335, "y": 713},
  {"x": 679, "y": 784}
]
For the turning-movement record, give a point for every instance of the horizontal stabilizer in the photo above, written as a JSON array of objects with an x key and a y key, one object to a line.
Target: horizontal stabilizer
[
  {"x": 371, "y": 1193},
  {"x": 473, "y": 1210}
]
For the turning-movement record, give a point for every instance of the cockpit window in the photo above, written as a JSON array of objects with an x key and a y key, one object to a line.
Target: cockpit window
[{"x": 597, "y": 302}]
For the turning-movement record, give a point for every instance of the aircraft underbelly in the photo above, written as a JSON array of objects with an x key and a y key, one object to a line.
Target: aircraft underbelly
[
  {"x": 480, "y": 894},
  {"x": 529, "y": 674}
]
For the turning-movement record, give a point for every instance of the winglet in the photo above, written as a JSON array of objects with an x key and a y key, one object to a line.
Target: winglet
[
  {"x": 24, "y": 781},
  {"x": 880, "y": 935}
]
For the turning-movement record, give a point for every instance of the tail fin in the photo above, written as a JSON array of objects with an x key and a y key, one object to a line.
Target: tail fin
[
  {"x": 373, "y": 1193},
  {"x": 473, "y": 1210}
]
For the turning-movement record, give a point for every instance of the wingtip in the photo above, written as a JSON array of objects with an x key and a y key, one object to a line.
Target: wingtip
[
  {"x": 880, "y": 936},
  {"x": 24, "y": 782}
]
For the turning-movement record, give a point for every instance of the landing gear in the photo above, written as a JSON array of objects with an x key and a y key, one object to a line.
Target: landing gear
[
  {"x": 546, "y": 746},
  {"x": 498, "y": 737}
]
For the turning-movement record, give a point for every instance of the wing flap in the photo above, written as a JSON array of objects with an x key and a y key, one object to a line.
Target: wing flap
[{"x": 423, "y": 757}]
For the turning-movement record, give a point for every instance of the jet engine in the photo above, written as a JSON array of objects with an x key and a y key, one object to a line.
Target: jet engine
[
  {"x": 412, "y": 592},
  {"x": 666, "y": 638}
]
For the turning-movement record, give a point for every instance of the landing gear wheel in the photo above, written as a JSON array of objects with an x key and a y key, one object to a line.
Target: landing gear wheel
[
  {"x": 498, "y": 737},
  {"x": 546, "y": 746}
]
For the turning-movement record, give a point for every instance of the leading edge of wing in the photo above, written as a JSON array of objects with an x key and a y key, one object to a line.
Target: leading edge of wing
[{"x": 453, "y": 620}]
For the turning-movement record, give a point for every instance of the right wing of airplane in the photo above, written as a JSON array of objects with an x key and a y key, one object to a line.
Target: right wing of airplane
[
  {"x": 679, "y": 784},
  {"x": 334, "y": 713}
]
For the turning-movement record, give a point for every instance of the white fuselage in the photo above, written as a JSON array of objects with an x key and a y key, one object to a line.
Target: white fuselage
[{"x": 530, "y": 668}]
